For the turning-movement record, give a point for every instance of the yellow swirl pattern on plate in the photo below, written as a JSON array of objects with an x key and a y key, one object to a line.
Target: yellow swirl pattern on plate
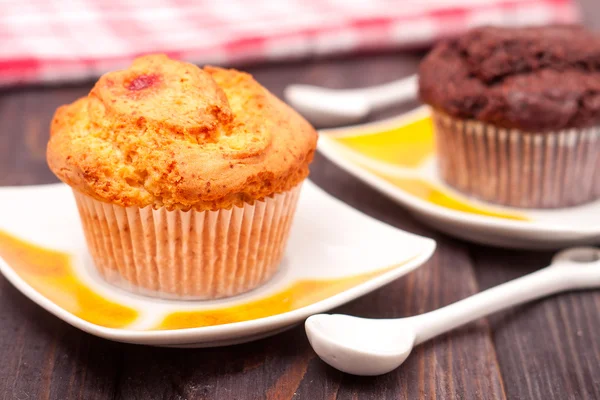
[
  {"x": 408, "y": 146},
  {"x": 405, "y": 146},
  {"x": 299, "y": 294},
  {"x": 51, "y": 273}
]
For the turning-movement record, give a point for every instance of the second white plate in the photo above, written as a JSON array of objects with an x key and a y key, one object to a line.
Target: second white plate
[{"x": 397, "y": 157}]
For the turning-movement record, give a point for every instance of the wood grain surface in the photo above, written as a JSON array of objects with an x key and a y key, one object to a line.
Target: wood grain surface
[{"x": 549, "y": 349}]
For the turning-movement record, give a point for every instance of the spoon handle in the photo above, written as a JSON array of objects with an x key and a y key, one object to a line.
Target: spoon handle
[
  {"x": 391, "y": 93},
  {"x": 542, "y": 283}
]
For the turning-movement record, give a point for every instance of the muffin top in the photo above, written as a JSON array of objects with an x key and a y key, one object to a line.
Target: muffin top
[
  {"x": 166, "y": 133},
  {"x": 535, "y": 79}
]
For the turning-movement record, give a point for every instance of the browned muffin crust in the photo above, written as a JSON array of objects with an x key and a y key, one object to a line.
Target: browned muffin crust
[
  {"x": 534, "y": 79},
  {"x": 167, "y": 133}
]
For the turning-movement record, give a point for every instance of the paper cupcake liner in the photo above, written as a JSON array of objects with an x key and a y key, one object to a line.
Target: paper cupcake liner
[
  {"x": 188, "y": 254},
  {"x": 516, "y": 168}
]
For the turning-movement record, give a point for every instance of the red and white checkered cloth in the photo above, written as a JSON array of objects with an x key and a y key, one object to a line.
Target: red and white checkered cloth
[{"x": 59, "y": 40}]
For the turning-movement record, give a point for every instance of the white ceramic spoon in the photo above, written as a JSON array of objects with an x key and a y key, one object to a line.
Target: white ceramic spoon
[
  {"x": 363, "y": 346},
  {"x": 329, "y": 107}
]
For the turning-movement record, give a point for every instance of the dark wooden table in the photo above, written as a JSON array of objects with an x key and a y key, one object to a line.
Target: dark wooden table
[{"x": 546, "y": 350}]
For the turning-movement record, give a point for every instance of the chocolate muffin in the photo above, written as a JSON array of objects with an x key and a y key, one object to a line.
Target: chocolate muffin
[{"x": 517, "y": 114}]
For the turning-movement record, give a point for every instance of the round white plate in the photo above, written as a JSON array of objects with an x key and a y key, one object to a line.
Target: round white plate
[
  {"x": 366, "y": 151},
  {"x": 335, "y": 254}
]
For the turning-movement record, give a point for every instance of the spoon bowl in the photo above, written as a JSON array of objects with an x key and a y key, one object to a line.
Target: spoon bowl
[{"x": 359, "y": 346}]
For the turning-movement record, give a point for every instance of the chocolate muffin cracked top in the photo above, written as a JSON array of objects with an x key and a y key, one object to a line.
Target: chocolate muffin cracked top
[
  {"x": 533, "y": 79},
  {"x": 167, "y": 133}
]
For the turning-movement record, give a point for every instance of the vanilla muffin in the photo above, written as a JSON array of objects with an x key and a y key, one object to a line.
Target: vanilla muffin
[{"x": 186, "y": 178}]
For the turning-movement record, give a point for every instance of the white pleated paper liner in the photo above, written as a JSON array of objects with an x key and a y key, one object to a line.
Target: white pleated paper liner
[
  {"x": 188, "y": 254},
  {"x": 519, "y": 169}
]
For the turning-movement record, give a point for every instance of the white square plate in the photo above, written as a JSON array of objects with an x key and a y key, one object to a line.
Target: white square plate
[
  {"x": 335, "y": 254},
  {"x": 397, "y": 157}
]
